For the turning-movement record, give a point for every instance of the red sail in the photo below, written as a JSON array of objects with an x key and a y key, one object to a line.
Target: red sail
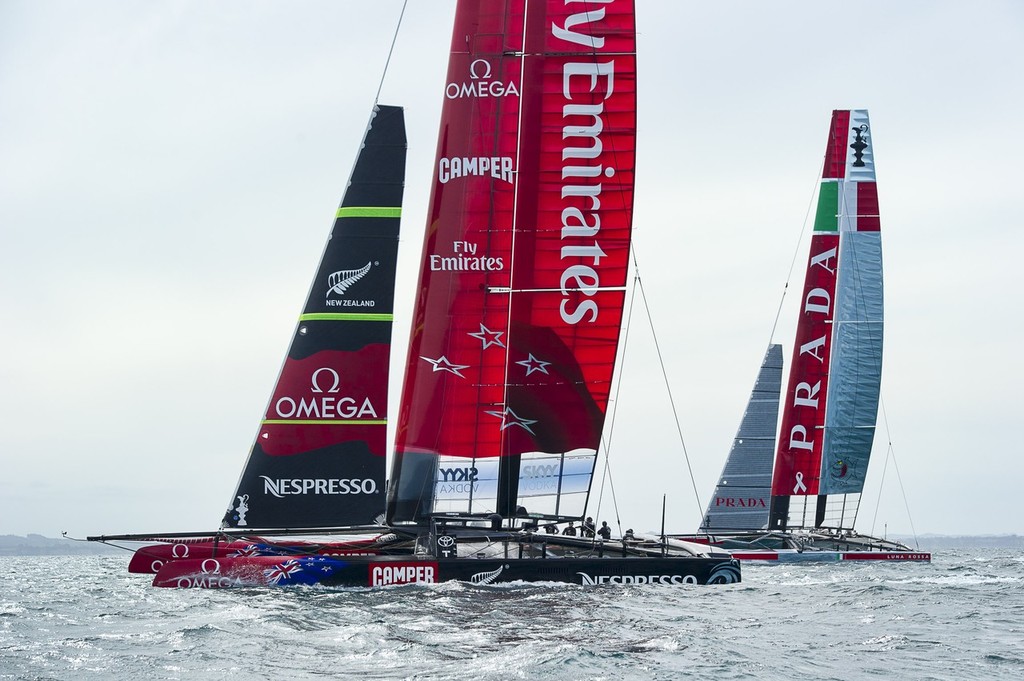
[
  {"x": 520, "y": 302},
  {"x": 798, "y": 456}
]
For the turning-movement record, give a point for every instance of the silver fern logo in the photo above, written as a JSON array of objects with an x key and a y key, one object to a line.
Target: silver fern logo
[
  {"x": 487, "y": 577},
  {"x": 340, "y": 281}
]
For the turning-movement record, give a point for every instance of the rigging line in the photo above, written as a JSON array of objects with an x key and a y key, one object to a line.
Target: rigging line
[
  {"x": 671, "y": 400},
  {"x": 906, "y": 504},
  {"x": 507, "y": 479},
  {"x": 796, "y": 249},
  {"x": 622, "y": 367},
  {"x": 615, "y": 499},
  {"x": 881, "y": 484},
  {"x": 64, "y": 535},
  {"x": 394, "y": 39},
  {"x": 899, "y": 478},
  {"x": 606, "y": 472}
]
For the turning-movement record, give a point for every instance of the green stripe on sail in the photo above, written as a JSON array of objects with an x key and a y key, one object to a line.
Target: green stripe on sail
[
  {"x": 826, "y": 220},
  {"x": 369, "y": 212},
  {"x": 324, "y": 422},
  {"x": 346, "y": 317}
]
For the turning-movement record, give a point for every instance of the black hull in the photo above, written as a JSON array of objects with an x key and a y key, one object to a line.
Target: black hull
[{"x": 374, "y": 571}]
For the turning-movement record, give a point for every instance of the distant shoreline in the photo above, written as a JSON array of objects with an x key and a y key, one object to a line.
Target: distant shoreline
[
  {"x": 978, "y": 541},
  {"x": 38, "y": 545}
]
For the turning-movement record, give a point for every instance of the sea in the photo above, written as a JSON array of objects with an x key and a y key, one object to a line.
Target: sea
[{"x": 961, "y": 616}]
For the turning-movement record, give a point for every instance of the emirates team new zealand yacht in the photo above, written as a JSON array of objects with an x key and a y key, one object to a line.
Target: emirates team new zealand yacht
[
  {"x": 804, "y": 507},
  {"x": 514, "y": 337}
]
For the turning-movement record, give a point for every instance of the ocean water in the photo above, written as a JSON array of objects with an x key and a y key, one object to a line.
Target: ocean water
[{"x": 962, "y": 616}]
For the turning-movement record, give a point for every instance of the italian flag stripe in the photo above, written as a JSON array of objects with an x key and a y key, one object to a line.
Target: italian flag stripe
[{"x": 828, "y": 208}]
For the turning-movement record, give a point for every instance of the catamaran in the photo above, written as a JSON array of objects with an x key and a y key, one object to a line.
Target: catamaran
[
  {"x": 513, "y": 341},
  {"x": 805, "y": 505}
]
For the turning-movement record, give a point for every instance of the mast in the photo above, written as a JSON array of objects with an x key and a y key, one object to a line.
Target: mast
[
  {"x": 831, "y": 404},
  {"x": 319, "y": 456},
  {"x": 517, "y": 319}
]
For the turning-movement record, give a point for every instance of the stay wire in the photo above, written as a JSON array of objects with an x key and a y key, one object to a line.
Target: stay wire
[
  {"x": 387, "y": 63},
  {"x": 891, "y": 452},
  {"x": 668, "y": 388},
  {"x": 606, "y": 473},
  {"x": 796, "y": 251},
  {"x": 627, "y": 197}
]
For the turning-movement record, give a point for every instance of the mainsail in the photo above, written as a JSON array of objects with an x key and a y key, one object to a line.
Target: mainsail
[
  {"x": 831, "y": 404},
  {"x": 517, "y": 318},
  {"x": 318, "y": 459}
]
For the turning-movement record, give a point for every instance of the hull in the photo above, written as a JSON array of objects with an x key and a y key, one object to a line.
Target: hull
[
  {"x": 809, "y": 548},
  {"x": 377, "y": 571},
  {"x": 150, "y": 559},
  {"x": 794, "y": 556}
]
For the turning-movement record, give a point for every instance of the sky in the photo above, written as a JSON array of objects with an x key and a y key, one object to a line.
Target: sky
[{"x": 169, "y": 171}]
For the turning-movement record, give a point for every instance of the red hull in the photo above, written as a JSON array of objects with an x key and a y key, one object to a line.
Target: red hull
[{"x": 149, "y": 559}]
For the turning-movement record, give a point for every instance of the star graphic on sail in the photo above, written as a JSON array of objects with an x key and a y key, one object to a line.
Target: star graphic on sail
[
  {"x": 489, "y": 337},
  {"x": 533, "y": 364},
  {"x": 442, "y": 363},
  {"x": 510, "y": 418}
]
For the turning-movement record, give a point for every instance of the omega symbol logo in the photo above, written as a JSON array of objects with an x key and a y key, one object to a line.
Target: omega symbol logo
[
  {"x": 334, "y": 380},
  {"x": 474, "y": 69},
  {"x": 210, "y": 567}
]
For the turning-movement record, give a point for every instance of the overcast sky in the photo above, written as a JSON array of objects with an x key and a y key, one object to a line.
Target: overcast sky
[{"x": 169, "y": 172}]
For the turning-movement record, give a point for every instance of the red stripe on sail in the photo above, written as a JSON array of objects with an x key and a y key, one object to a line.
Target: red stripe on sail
[
  {"x": 798, "y": 456},
  {"x": 836, "y": 150},
  {"x": 315, "y": 396},
  {"x": 867, "y": 207}
]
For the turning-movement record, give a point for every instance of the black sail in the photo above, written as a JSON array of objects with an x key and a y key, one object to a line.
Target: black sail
[{"x": 319, "y": 456}]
